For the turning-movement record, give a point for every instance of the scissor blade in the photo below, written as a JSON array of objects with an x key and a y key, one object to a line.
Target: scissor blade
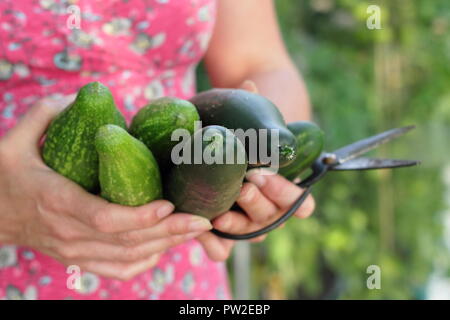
[
  {"x": 372, "y": 163},
  {"x": 357, "y": 148}
]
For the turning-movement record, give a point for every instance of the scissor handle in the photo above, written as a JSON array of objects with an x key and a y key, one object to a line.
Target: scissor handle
[
  {"x": 271, "y": 226},
  {"x": 319, "y": 169}
]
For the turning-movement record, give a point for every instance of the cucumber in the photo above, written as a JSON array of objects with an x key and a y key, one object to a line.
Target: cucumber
[
  {"x": 155, "y": 123},
  {"x": 206, "y": 189},
  {"x": 240, "y": 109},
  {"x": 128, "y": 172},
  {"x": 310, "y": 140},
  {"x": 69, "y": 146}
]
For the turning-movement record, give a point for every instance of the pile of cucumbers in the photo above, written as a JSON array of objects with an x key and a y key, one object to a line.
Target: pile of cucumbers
[{"x": 90, "y": 144}]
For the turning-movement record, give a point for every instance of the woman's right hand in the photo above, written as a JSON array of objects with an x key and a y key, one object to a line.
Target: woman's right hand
[{"x": 45, "y": 211}]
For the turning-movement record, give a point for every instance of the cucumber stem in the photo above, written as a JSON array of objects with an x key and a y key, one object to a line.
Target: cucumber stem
[{"x": 287, "y": 152}]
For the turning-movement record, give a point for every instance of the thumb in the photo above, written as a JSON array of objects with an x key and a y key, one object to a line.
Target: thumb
[
  {"x": 31, "y": 127},
  {"x": 249, "y": 85}
]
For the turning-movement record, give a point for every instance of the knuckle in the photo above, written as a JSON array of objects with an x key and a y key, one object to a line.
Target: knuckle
[
  {"x": 252, "y": 193},
  {"x": 176, "y": 228},
  {"x": 142, "y": 218},
  {"x": 52, "y": 227},
  {"x": 63, "y": 233},
  {"x": 132, "y": 254},
  {"x": 279, "y": 190},
  {"x": 46, "y": 198},
  {"x": 175, "y": 240},
  {"x": 128, "y": 239},
  {"x": 67, "y": 252},
  {"x": 101, "y": 221},
  {"x": 53, "y": 199}
]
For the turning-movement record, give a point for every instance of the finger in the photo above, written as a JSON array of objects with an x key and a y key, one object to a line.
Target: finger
[
  {"x": 32, "y": 126},
  {"x": 235, "y": 222},
  {"x": 99, "y": 251},
  {"x": 306, "y": 209},
  {"x": 255, "y": 204},
  {"x": 175, "y": 224},
  {"x": 112, "y": 218},
  {"x": 275, "y": 187},
  {"x": 68, "y": 229},
  {"x": 118, "y": 270},
  {"x": 64, "y": 196},
  {"x": 217, "y": 249},
  {"x": 250, "y": 86},
  {"x": 259, "y": 239}
]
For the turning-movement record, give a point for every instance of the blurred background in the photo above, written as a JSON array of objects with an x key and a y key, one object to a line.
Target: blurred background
[{"x": 362, "y": 82}]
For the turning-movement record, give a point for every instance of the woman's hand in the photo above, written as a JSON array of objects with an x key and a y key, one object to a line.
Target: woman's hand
[
  {"x": 265, "y": 198},
  {"x": 43, "y": 210}
]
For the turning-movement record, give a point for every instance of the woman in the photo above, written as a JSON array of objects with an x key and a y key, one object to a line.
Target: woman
[{"x": 140, "y": 49}]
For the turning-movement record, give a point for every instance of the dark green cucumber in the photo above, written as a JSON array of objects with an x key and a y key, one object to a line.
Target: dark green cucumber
[
  {"x": 128, "y": 172},
  {"x": 310, "y": 140},
  {"x": 208, "y": 189},
  {"x": 155, "y": 123},
  {"x": 240, "y": 109},
  {"x": 69, "y": 146}
]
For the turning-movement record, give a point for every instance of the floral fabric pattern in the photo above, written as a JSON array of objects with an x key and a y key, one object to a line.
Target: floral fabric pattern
[{"x": 140, "y": 49}]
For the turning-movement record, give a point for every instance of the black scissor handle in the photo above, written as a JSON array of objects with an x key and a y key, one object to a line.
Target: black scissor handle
[
  {"x": 319, "y": 168},
  {"x": 271, "y": 226}
]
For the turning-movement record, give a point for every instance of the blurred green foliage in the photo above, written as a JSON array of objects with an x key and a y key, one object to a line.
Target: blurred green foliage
[{"x": 362, "y": 82}]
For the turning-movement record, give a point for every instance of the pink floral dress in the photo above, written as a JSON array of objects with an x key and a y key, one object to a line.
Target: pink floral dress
[{"x": 140, "y": 49}]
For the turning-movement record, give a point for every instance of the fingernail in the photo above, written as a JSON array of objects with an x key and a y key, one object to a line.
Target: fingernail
[
  {"x": 164, "y": 210},
  {"x": 199, "y": 224},
  {"x": 249, "y": 85},
  {"x": 256, "y": 178}
]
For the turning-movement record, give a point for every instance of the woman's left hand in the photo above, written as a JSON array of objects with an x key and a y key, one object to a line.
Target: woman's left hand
[{"x": 264, "y": 199}]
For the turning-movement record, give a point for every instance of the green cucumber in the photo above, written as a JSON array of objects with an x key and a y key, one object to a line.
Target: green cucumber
[
  {"x": 240, "y": 109},
  {"x": 208, "y": 189},
  {"x": 310, "y": 140},
  {"x": 128, "y": 172},
  {"x": 69, "y": 146},
  {"x": 155, "y": 123}
]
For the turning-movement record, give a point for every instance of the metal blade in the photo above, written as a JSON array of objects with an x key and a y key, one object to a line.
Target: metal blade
[
  {"x": 371, "y": 163},
  {"x": 357, "y": 148}
]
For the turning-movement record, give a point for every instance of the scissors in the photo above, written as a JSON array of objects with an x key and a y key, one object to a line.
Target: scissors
[{"x": 344, "y": 159}]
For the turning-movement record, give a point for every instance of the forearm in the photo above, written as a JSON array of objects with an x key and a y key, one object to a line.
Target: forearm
[{"x": 244, "y": 48}]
